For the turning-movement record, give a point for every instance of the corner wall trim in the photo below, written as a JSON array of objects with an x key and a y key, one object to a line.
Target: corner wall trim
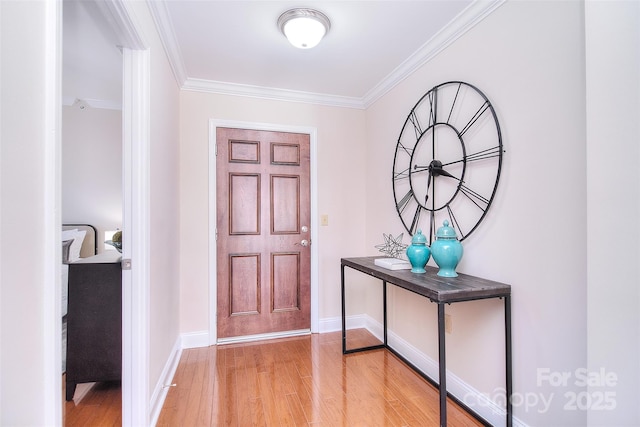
[
  {"x": 166, "y": 378},
  {"x": 195, "y": 339}
]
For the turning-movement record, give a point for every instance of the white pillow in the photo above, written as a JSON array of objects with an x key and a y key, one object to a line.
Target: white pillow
[
  {"x": 68, "y": 234},
  {"x": 76, "y": 245}
]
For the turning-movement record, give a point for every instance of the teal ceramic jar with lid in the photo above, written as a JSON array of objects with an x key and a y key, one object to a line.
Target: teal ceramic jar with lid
[
  {"x": 418, "y": 252},
  {"x": 446, "y": 250}
]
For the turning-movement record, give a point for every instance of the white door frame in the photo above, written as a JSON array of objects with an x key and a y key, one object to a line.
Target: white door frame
[
  {"x": 213, "y": 268},
  {"x": 135, "y": 167},
  {"x": 135, "y": 226},
  {"x": 52, "y": 312},
  {"x": 135, "y": 217}
]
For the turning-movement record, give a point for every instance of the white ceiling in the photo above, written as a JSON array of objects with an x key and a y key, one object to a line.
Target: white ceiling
[
  {"x": 91, "y": 61},
  {"x": 235, "y": 47}
]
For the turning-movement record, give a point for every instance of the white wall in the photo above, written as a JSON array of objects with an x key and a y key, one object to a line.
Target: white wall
[
  {"x": 613, "y": 205},
  {"x": 92, "y": 168},
  {"x": 27, "y": 241},
  {"x": 535, "y": 80},
  {"x": 341, "y": 181},
  {"x": 529, "y": 58}
]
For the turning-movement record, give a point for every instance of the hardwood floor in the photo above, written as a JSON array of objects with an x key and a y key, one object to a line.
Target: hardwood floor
[
  {"x": 99, "y": 404},
  {"x": 301, "y": 381}
]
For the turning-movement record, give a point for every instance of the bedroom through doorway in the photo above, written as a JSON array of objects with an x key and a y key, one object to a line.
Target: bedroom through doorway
[{"x": 91, "y": 194}]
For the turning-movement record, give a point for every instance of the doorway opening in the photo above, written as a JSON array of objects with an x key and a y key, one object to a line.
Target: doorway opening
[{"x": 135, "y": 72}]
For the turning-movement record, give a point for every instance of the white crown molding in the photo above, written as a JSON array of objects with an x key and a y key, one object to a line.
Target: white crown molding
[
  {"x": 199, "y": 85},
  {"x": 122, "y": 22},
  {"x": 69, "y": 101},
  {"x": 463, "y": 22},
  {"x": 168, "y": 37}
]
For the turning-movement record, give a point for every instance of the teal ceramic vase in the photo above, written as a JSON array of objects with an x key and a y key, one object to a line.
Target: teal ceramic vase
[
  {"x": 418, "y": 252},
  {"x": 446, "y": 250}
]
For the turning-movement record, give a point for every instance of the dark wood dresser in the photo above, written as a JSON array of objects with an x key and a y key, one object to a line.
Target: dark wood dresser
[{"x": 94, "y": 321}]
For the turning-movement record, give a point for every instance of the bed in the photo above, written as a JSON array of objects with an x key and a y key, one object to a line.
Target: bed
[
  {"x": 78, "y": 241},
  {"x": 92, "y": 305}
]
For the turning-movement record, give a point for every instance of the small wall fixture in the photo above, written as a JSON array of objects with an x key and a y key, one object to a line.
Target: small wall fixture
[{"x": 304, "y": 28}]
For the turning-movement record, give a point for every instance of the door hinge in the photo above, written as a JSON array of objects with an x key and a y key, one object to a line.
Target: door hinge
[{"x": 126, "y": 264}]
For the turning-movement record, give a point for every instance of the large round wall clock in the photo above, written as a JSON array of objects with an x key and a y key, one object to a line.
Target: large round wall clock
[{"x": 447, "y": 161}]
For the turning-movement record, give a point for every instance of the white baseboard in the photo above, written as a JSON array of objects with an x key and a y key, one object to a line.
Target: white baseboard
[
  {"x": 334, "y": 324},
  {"x": 164, "y": 382},
  {"x": 201, "y": 338},
  {"x": 259, "y": 337},
  {"x": 195, "y": 339}
]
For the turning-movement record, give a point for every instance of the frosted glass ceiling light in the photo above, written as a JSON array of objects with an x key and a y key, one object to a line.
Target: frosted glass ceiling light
[{"x": 304, "y": 28}]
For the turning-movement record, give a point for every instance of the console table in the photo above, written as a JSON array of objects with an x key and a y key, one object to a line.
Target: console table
[{"x": 440, "y": 290}]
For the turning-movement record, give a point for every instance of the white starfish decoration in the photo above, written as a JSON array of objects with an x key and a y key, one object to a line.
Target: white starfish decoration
[{"x": 392, "y": 246}]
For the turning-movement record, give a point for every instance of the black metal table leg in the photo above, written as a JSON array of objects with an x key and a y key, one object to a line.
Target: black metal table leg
[
  {"x": 442, "y": 362},
  {"x": 344, "y": 317},
  {"x": 384, "y": 308},
  {"x": 344, "y": 312},
  {"x": 508, "y": 360}
]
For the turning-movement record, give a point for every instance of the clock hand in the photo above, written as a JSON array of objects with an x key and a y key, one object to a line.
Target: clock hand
[
  {"x": 426, "y": 197},
  {"x": 418, "y": 169},
  {"x": 435, "y": 169},
  {"x": 439, "y": 171}
]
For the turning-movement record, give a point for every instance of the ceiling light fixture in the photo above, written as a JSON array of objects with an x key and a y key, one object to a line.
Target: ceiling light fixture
[{"x": 304, "y": 28}]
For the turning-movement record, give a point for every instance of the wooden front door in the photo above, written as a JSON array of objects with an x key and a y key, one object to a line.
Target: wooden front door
[{"x": 263, "y": 226}]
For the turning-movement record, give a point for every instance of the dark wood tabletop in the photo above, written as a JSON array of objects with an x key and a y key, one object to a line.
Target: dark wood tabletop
[{"x": 436, "y": 288}]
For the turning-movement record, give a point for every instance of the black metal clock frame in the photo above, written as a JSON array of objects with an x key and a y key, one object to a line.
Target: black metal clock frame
[{"x": 448, "y": 160}]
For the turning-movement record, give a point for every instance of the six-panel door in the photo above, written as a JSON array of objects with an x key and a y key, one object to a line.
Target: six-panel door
[{"x": 263, "y": 203}]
